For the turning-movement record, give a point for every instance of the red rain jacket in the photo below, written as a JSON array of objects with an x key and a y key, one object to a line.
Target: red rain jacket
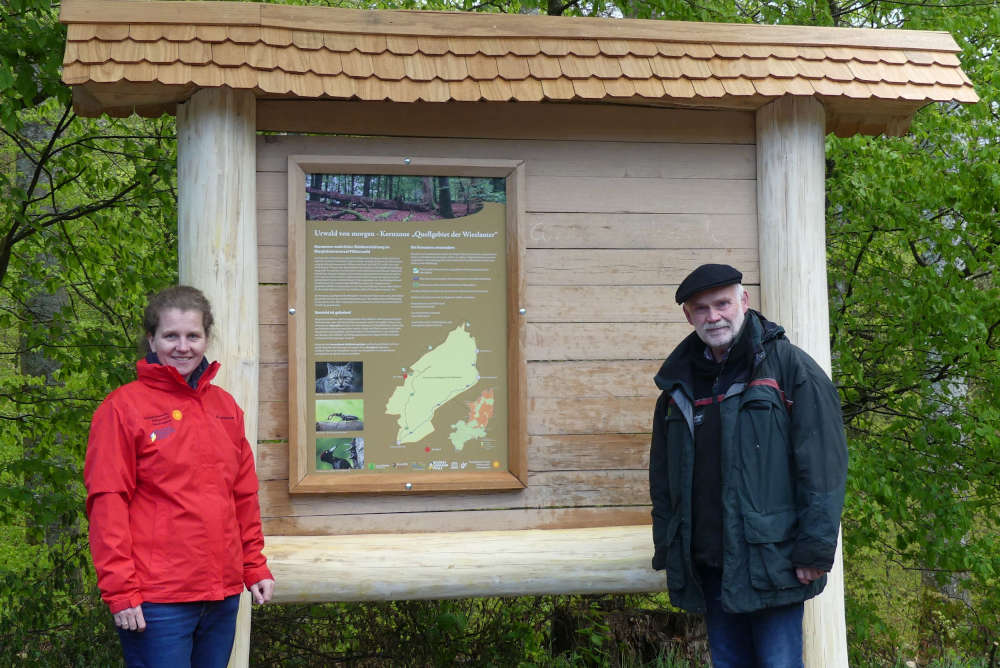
[{"x": 172, "y": 493}]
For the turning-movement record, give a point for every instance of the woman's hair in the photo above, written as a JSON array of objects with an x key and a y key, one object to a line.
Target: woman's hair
[{"x": 180, "y": 297}]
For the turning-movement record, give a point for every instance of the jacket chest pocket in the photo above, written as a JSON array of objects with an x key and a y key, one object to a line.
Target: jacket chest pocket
[
  {"x": 224, "y": 452},
  {"x": 762, "y": 439}
]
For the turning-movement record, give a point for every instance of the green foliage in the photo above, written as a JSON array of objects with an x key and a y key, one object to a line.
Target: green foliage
[
  {"x": 86, "y": 230},
  {"x": 915, "y": 309},
  {"x": 30, "y": 57},
  {"x": 556, "y": 631},
  {"x": 492, "y": 632}
]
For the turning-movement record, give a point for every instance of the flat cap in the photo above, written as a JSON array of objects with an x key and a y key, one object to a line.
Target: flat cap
[{"x": 706, "y": 277}]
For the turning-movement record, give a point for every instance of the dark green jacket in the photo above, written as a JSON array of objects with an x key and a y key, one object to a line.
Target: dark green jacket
[{"x": 784, "y": 467}]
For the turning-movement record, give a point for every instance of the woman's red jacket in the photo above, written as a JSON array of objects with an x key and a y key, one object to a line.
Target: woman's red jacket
[{"x": 172, "y": 493}]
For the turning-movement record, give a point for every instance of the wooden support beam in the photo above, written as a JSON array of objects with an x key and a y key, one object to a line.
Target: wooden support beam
[
  {"x": 387, "y": 567},
  {"x": 792, "y": 240},
  {"x": 217, "y": 248}
]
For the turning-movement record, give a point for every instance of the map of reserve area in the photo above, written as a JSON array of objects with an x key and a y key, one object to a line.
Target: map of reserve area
[
  {"x": 480, "y": 412},
  {"x": 439, "y": 376}
]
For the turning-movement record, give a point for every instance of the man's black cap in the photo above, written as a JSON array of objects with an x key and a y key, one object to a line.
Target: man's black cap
[{"x": 706, "y": 277}]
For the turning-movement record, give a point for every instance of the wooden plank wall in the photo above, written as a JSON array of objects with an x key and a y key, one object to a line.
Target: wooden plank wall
[{"x": 611, "y": 228}]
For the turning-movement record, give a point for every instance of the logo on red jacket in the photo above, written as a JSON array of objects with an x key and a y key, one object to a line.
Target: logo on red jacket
[
  {"x": 160, "y": 434},
  {"x": 163, "y": 432}
]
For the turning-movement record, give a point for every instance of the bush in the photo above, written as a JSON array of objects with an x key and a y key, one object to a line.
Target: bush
[{"x": 558, "y": 631}]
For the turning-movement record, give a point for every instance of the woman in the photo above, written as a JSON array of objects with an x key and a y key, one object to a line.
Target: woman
[{"x": 172, "y": 497}]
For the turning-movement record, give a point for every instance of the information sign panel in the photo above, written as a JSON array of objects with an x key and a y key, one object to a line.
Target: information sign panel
[{"x": 405, "y": 376}]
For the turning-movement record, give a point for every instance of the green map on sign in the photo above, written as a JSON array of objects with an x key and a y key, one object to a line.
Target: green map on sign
[
  {"x": 480, "y": 412},
  {"x": 436, "y": 378}
]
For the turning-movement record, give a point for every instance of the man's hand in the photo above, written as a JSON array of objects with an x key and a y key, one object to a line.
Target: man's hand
[
  {"x": 807, "y": 575},
  {"x": 130, "y": 619},
  {"x": 262, "y": 590}
]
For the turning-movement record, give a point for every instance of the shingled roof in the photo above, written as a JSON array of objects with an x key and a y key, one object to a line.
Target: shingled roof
[{"x": 125, "y": 56}]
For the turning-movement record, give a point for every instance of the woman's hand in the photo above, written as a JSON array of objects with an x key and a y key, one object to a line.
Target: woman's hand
[
  {"x": 262, "y": 590},
  {"x": 130, "y": 619}
]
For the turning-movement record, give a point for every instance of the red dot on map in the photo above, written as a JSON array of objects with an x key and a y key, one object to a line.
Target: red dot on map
[{"x": 427, "y": 448}]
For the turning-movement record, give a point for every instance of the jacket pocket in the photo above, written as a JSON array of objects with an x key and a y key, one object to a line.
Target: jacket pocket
[
  {"x": 764, "y": 454},
  {"x": 770, "y": 538},
  {"x": 675, "y": 553}
]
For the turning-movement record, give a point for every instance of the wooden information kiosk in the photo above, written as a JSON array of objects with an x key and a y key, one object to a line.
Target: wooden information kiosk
[{"x": 446, "y": 446}]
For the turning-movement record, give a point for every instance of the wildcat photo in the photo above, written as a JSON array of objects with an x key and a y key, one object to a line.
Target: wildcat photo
[{"x": 335, "y": 377}]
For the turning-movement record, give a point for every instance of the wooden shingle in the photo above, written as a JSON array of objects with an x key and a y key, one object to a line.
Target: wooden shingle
[
  {"x": 196, "y": 52},
  {"x": 635, "y": 68},
  {"x": 466, "y": 90},
  {"x": 420, "y": 67},
  {"x": 203, "y": 33},
  {"x": 307, "y": 40},
  {"x": 370, "y": 44},
  {"x": 329, "y": 65},
  {"x": 544, "y": 67},
  {"x": 164, "y": 51},
  {"x": 339, "y": 86},
  {"x": 482, "y": 68},
  {"x": 591, "y": 88},
  {"x": 527, "y": 90},
  {"x": 708, "y": 87},
  {"x": 681, "y": 88},
  {"x": 433, "y": 47},
  {"x": 524, "y": 47},
  {"x": 493, "y": 47},
  {"x": 276, "y": 36},
  {"x": 174, "y": 74},
  {"x": 512, "y": 68},
  {"x": 463, "y": 46},
  {"x": 401, "y": 45},
  {"x": 388, "y": 66},
  {"x": 357, "y": 65},
  {"x": 496, "y": 90},
  {"x": 295, "y": 61},
  {"x": 451, "y": 67},
  {"x": 229, "y": 54},
  {"x": 110, "y": 32},
  {"x": 649, "y": 88},
  {"x": 244, "y": 34}
]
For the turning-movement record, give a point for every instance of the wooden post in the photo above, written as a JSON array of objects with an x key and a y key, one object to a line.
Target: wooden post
[
  {"x": 792, "y": 235},
  {"x": 217, "y": 249}
]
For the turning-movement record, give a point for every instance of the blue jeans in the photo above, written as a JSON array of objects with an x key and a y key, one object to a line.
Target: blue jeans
[
  {"x": 178, "y": 635},
  {"x": 769, "y": 638}
]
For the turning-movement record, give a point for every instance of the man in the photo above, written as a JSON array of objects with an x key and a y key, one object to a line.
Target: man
[{"x": 747, "y": 468}]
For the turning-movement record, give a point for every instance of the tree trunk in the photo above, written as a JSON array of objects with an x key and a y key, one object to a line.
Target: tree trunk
[
  {"x": 39, "y": 309},
  {"x": 315, "y": 183},
  {"x": 444, "y": 197},
  {"x": 429, "y": 198}
]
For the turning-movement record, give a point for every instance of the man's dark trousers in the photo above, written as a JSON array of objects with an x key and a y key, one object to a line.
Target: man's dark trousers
[{"x": 769, "y": 638}]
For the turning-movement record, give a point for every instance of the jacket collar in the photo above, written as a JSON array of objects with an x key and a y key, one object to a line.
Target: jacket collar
[
  {"x": 167, "y": 378},
  {"x": 676, "y": 369}
]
